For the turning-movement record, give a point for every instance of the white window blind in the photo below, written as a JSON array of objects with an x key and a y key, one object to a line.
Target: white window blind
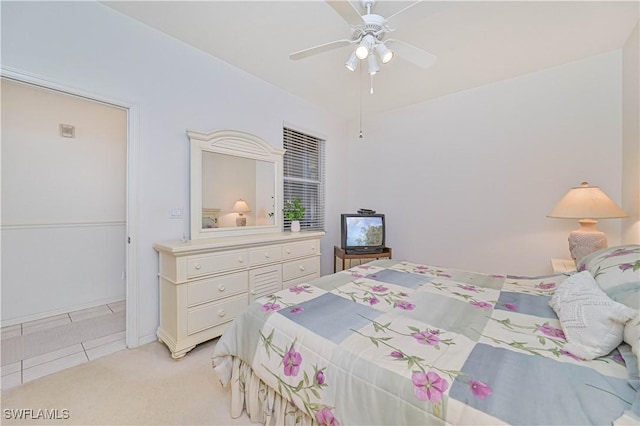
[{"x": 304, "y": 176}]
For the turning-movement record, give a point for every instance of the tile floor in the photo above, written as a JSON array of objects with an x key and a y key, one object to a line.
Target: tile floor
[{"x": 75, "y": 350}]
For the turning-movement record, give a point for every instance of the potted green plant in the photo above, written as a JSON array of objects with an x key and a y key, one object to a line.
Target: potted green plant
[{"x": 294, "y": 211}]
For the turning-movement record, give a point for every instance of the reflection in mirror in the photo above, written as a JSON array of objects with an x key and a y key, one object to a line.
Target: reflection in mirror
[
  {"x": 236, "y": 184},
  {"x": 226, "y": 179},
  {"x": 210, "y": 218}
]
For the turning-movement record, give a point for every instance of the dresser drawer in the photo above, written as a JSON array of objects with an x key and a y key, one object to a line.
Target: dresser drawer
[
  {"x": 216, "y": 288},
  {"x": 300, "y": 268},
  {"x": 267, "y": 254},
  {"x": 212, "y": 263},
  {"x": 303, "y": 248},
  {"x": 207, "y": 316}
]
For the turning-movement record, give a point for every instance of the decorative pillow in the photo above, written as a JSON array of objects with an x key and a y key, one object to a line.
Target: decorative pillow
[
  {"x": 592, "y": 323},
  {"x": 617, "y": 272},
  {"x": 631, "y": 335}
]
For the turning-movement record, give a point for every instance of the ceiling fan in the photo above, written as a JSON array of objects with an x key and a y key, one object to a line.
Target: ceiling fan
[{"x": 369, "y": 32}]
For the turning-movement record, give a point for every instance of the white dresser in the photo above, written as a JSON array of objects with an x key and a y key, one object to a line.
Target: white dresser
[{"x": 205, "y": 283}]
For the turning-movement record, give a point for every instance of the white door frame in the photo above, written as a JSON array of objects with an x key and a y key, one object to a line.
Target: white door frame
[{"x": 131, "y": 227}]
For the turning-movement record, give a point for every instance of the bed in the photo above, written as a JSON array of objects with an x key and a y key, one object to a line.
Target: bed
[{"x": 397, "y": 342}]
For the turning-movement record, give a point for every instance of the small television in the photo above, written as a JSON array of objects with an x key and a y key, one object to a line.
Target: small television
[{"x": 362, "y": 233}]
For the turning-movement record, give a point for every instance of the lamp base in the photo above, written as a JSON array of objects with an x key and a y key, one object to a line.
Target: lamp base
[
  {"x": 241, "y": 221},
  {"x": 586, "y": 240}
]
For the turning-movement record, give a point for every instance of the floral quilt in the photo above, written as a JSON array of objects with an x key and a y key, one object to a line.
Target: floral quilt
[{"x": 402, "y": 343}]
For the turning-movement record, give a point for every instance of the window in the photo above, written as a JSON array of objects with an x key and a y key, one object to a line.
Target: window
[{"x": 304, "y": 177}]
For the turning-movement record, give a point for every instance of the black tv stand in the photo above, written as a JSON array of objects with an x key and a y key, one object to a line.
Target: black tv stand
[{"x": 339, "y": 252}]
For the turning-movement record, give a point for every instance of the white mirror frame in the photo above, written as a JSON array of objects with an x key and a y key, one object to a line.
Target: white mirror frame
[{"x": 239, "y": 144}]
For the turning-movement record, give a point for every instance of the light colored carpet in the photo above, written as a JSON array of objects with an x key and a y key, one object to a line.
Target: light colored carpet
[
  {"x": 142, "y": 386},
  {"x": 41, "y": 342}
]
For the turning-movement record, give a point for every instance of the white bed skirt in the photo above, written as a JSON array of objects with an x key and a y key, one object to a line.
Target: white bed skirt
[{"x": 263, "y": 404}]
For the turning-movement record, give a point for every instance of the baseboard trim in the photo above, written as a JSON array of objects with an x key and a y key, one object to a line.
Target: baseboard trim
[{"x": 149, "y": 338}]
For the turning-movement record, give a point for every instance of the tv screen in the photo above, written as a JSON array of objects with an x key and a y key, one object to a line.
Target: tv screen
[{"x": 363, "y": 233}]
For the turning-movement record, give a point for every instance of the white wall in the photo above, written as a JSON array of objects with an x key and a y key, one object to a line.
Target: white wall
[
  {"x": 466, "y": 180},
  {"x": 63, "y": 203},
  {"x": 631, "y": 137},
  {"x": 88, "y": 46}
]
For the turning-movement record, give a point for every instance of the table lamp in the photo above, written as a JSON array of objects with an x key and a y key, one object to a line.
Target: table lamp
[
  {"x": 241, "y": 207},
  {"x": 586, "y": 203}
]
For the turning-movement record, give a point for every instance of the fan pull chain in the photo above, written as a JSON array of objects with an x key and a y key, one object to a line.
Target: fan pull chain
[
  {"x": 360, "y": 100},
  {"x": 371, "y": 89}
]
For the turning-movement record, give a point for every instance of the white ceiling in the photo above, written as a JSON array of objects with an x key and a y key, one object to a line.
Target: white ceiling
[{"x": 477, "y": 42}]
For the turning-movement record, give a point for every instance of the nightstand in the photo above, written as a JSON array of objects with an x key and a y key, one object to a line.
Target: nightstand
[
  {"x": 563, "y": 266},
  {"x": 341, "y": 254}
]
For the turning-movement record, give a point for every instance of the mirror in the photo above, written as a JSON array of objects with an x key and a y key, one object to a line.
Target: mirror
[
  {"x": 236, "y": 184},
  {"x": 226, "y": 179}
]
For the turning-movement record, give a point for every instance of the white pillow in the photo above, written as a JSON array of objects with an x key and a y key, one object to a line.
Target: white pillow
[{"x": 592, "y": 322}]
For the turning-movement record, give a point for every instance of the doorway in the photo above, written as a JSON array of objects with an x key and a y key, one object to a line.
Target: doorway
[{"x": 86, "y": 212}]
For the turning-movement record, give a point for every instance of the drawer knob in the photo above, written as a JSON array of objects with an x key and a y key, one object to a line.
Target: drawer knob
[
  {"x": 241, "y": 259},
  {"x": 221, "y": 313},
  {"x": 301, "y": 268},
  {"x": 220, "y": 287},
  {"x": 267, "y": 255},
  {"x": 253, "y": 292},
  {"x": 198, "y": 266},
  {"x": 288, "y": 251}
]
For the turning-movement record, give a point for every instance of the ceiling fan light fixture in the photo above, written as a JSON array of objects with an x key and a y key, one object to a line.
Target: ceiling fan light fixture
[
  {"x": 386, "y": 55},
  {"x": 365, "y": 46},
  {"x": 362, "y": 51},
  {"x": 373, "y": 65},
  {"x": 352, "y": 62}
]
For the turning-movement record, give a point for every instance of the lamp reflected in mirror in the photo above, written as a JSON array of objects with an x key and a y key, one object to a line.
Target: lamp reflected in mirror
[{"x": 241, "y": 207}]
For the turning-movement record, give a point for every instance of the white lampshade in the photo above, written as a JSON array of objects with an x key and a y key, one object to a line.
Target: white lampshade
[
  {"x": 241, "y": 206},
  {"x": 586, "y": 203}
]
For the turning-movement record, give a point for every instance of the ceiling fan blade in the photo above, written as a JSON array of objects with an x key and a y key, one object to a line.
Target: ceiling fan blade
[
  {"x": 412, "y": 54},
  {"x": 319, "y": 49},
  {"x": 404, "y": 9},
  {"x": 348, "y": 12}
]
